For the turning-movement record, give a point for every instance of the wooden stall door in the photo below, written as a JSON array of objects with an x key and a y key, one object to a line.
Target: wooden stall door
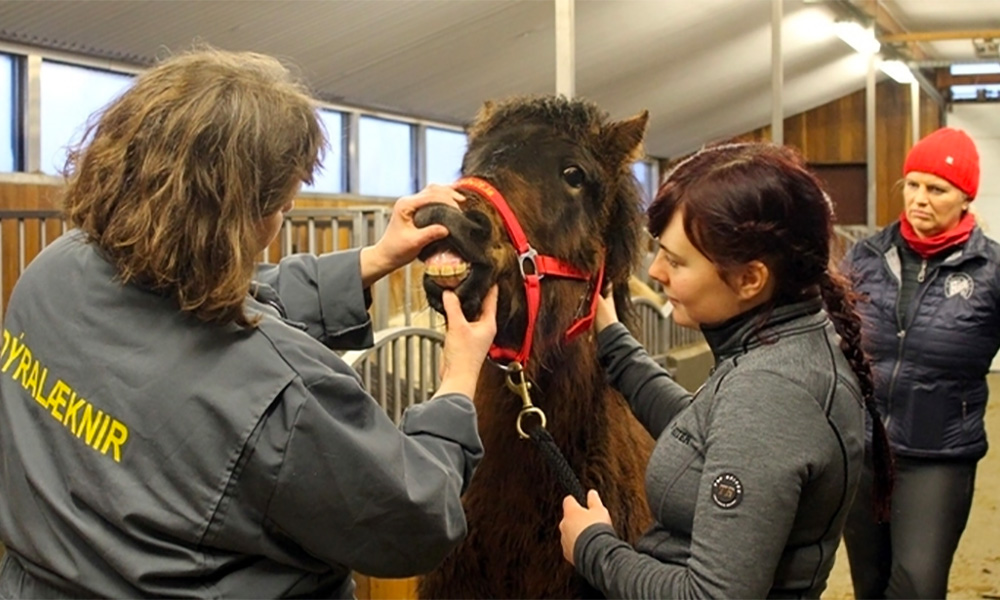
[{"x": 847, "y": 184}]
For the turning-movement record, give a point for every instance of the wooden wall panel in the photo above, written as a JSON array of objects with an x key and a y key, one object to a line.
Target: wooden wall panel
[
  {"x": 931, "y": 116},
  {"x": 795, "y": 130},
  {"x": 22, "y": 239},
  {"x": 834, "y": 134},
  {"x": 845, "y": 183},
  {"x": 892, "y": 141},
  {"x": 29, "y": 196},
  {"x": 836, "y": 131}
]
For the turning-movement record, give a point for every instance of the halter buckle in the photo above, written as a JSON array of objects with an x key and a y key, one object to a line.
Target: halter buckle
[{"x": 529, "y": 256}]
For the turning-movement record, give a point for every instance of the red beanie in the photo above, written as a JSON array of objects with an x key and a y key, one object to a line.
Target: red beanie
[{"x": 949, "y": 154}]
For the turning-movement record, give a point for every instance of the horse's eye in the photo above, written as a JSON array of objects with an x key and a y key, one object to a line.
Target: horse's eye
[{"x": 573, "y": 176}]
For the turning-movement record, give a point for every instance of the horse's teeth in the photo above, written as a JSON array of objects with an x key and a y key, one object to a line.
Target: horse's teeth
[
  {"x": 446, "y": 270},
  {"x": 448, "y": 277}
]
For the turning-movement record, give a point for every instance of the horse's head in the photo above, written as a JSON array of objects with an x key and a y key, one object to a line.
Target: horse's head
[{"x": 564, "y": 170}]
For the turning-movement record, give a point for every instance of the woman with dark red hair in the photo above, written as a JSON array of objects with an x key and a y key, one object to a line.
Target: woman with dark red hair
[
  {"x": 753, "y": 476},
  {"x": 931, "y": 329}
]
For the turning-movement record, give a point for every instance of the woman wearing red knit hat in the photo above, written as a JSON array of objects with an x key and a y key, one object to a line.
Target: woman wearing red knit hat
[{"x": 931, "y": 329}]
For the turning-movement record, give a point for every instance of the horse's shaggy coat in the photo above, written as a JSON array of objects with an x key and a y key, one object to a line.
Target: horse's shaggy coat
[{"x": 565, "y": 170}]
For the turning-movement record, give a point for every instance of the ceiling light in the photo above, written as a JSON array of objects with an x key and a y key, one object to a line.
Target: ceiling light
[
  {"x": 986, "y": 48},
  {"x": 898, "y": 70},
  {"x": 857, "y": 37}
]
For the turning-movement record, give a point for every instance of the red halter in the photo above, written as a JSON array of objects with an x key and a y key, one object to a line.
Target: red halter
[{"x": 541, "y": 266}]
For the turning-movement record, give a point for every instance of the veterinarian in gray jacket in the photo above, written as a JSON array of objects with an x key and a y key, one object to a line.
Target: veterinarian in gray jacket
[
  {"x": 169, "y": 427},
  {"x": 752, "y": 477}
]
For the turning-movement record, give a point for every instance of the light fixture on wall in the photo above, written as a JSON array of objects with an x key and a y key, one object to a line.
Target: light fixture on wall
[
  {"x": 897, "y": 69},
  {"x": 857, "y": 36}
]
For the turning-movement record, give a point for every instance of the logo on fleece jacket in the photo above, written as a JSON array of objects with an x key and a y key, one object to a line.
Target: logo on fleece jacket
[{"x": 727, "y": 490}]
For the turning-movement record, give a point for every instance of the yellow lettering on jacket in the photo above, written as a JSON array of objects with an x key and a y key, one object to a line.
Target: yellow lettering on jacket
[
  {"x": 23, "y": 367},
  {"x": 16, "y": 348},
  {"x": 88, "y": 423},
  {"x": 116, "y": 439}
]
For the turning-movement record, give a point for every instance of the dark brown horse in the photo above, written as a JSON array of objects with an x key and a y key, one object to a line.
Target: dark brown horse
[{"x": 564, "y": 169}]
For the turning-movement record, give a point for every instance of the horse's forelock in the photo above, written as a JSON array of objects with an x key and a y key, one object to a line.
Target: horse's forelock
[{"x": 581, "y": 118}]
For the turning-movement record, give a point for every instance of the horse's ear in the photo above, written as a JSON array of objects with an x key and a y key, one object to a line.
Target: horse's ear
[
  {"x": 624, "y": 138},
  {"x": 622, "y": 141},
  {"x": 482, "y": 118},
  {"x": 486, "y": 111}
]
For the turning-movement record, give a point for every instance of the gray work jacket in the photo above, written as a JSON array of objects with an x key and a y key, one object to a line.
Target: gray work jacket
[
  {"x": 751, "y": 478},
  {"x": 146, "y": 453}
]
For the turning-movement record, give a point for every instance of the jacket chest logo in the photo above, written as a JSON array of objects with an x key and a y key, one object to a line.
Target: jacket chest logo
[
  {"x": 727, "y": 490},
  {"x": 958, "y": 284}
]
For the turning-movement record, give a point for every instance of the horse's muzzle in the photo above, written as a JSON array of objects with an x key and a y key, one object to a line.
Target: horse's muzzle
[{"x": 458, "y": 262}]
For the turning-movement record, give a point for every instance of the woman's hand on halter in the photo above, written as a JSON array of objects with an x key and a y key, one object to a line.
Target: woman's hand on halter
[
  {"x": 403, "y": 240},
  {"x": 606, "y": 312},
  {"x": 466, "y": 344},
  {"x": 577, "y": 518}
]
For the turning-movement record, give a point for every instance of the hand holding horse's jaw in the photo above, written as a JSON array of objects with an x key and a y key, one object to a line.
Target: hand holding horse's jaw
[{"x": 465, "y": 344}]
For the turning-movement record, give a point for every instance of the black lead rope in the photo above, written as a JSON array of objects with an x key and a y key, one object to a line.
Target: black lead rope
[
  {"x": 519, "y": 384},
  {"x": 557, "y": 462}
]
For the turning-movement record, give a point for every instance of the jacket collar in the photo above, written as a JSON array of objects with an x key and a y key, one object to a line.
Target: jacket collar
[
  {"x": 741, "y": 334},
  {"x": 890, "y": 237}
]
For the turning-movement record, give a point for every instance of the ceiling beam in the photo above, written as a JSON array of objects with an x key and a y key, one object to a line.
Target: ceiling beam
[
  {"x": 946, "y": 80},
  {"x": 931, "y": 36},
  {"x": 884, "y": 21}
]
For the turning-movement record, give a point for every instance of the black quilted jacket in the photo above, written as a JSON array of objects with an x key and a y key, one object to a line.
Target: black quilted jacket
[{"x": 930, "y": 369}]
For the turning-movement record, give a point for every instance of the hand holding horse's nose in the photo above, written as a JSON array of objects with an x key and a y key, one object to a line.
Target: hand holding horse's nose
[{"x": 403, "y": 240}]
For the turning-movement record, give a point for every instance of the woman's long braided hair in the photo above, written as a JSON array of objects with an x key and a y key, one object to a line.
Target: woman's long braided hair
[{"x": 757, "y": 201}]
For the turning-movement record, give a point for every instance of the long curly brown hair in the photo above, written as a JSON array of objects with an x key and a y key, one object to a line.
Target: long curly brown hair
[{"x": 172, "y": 180}]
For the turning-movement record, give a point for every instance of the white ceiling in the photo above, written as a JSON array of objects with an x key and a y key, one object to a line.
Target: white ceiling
[{"x": 701, "y": 67}]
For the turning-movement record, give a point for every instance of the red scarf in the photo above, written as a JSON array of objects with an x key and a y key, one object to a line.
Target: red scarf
[{"x": 930, "y": 246}]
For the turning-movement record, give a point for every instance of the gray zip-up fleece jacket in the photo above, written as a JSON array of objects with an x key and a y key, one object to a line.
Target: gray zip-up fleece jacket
[
  {"x": 751, "y": 478},
  {"x": 146, "y": 453}
]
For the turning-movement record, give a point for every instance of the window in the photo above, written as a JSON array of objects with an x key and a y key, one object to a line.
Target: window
[
  {"x": 973, "y": 91},
  {"x": 385, "y": 157},
  {"x": 70, "y": 95},
  {"x": 975, "y": 68},
  {"x": 643, "y": 171},
  {"x": 7, "y": 105},
  {"x": 328, "y": 178},
  {"x": 445, "y": 150}
]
